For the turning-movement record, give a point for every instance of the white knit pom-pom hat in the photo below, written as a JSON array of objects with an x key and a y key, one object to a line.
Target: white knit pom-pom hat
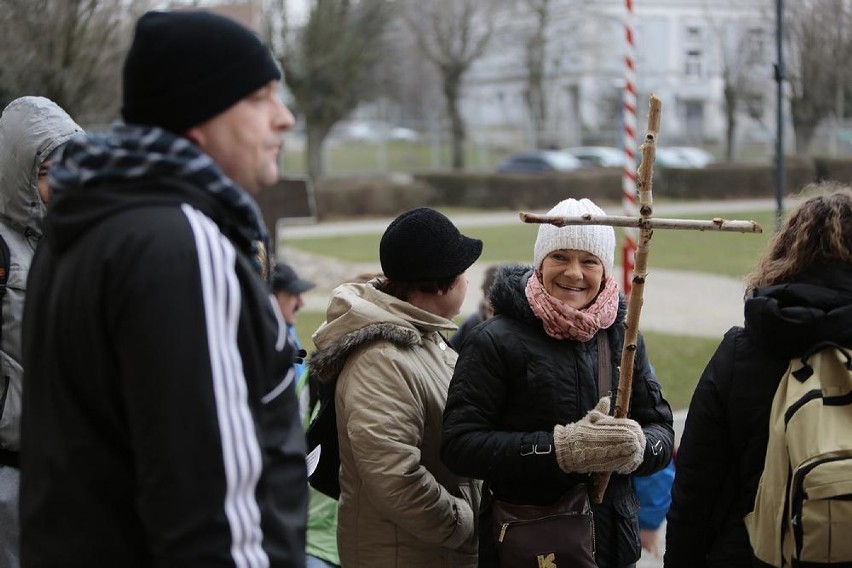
[{"x": 596, "y": 239}]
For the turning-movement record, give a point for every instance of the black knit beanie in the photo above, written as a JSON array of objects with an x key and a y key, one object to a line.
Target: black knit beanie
[
  {"x": 185, "y": 67},
  {"x": 422, "y": 244}
]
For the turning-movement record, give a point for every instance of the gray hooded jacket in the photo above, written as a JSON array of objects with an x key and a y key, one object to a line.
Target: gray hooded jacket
[{"x": 31, "y": 128}]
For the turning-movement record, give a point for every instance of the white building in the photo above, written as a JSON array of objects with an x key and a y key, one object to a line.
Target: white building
[{"x": 683, "y": 49}]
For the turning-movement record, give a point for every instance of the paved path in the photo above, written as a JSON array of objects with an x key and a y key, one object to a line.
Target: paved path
[{"x": 362, "y": 226}]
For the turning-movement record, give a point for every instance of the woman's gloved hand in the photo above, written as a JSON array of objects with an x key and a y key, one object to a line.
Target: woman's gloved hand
[{"x": 598, "y": 442}]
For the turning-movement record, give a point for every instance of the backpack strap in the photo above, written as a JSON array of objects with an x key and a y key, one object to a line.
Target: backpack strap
[
  {"x": 5, "y": 261},
  {"x": 806, "y": 371},
  {"x": 7, "y": 457}
]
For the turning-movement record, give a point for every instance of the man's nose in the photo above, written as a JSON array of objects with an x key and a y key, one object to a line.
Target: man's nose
[{"x": 284, "y": 119}]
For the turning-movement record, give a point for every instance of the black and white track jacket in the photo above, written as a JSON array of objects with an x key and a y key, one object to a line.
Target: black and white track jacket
[{"x": 160, "y": 424}]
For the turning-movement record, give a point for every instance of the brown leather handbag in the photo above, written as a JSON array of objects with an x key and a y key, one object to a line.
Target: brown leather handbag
[{"x": 561, "y": 535}]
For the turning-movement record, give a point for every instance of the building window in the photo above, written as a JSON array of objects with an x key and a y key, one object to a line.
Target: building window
[
  {"x": 693, "y": 34},
  {"x": 754, "y": 105},
  {"x": 755, "y": 44},
  {"x": 692, "y": 67},
  {"x": 693, "y": 111}
]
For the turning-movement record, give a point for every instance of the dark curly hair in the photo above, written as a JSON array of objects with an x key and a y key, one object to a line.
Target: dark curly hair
[{"x": 819, "y": 231}]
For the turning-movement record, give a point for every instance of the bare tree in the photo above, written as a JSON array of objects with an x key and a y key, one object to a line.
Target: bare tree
[
  {"x": 328, "y": 62},
  {"x": 740, "y": 43},
  {"x": 411, "y": 81},
  {"x": 452, "y": 34},
  {"x": 68, "y": 51},
  {"x": 818, "y": 45},
  {"x": 535, "y": 94}
]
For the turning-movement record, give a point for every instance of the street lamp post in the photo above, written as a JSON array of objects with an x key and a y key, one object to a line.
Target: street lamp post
[{"x": 779, "y": 95}]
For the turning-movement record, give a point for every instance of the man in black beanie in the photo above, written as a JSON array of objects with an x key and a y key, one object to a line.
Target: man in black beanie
[{"x": 163, "y": 428}]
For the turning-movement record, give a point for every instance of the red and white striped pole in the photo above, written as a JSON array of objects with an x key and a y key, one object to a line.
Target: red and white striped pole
[{"x": 628, "y": 178}]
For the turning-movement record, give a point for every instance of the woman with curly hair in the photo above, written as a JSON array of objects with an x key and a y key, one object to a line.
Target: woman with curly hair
[{"x": 798, "y": 295}]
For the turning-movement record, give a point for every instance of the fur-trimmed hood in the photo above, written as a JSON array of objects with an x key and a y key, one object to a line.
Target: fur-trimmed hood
[{"x": 359, "y": 314}]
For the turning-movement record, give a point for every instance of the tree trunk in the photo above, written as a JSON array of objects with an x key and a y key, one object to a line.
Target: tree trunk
[
  {"x": 535, "y": 95},
  {"x": 805, "y": 122},
  {"x": 730, "y": 94},
  {"x": 316, "y": 135},
  {"x": 452, "y": 83},
  {"x": 804, "y": 132},
  {"x": 537, "y": 106}
]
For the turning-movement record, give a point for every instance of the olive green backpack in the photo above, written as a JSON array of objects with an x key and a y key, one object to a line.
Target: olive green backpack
[{"x": 803, "y": 510}]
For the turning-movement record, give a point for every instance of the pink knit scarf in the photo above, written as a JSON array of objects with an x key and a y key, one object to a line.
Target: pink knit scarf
[{"x": 561, "y": 321}]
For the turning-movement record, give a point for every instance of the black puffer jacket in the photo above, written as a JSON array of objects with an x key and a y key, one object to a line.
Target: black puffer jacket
[
  {"x": 724, "y": 443},
  {"x": 512, "y": 384}
]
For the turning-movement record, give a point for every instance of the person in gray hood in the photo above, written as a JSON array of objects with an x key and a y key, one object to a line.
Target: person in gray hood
[{"x": 31, "y": 129}]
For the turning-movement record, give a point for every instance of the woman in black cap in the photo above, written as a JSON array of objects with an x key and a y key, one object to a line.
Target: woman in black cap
[{"x": 382, "y": 349}]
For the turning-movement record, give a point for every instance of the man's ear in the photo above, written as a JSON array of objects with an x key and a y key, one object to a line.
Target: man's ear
[{"x": 195, "y": 135}]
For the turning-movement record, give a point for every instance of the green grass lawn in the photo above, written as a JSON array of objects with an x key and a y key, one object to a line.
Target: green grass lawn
[
  {"x": 731, "y": 254},
  {"x": 678, "y": 361}
]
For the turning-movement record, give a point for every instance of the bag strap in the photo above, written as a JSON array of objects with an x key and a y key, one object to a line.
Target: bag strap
[
  {"x": 5, "y": 262},
  {"x": 806, "y": 370},
  {"x": 604, "y": 365}
]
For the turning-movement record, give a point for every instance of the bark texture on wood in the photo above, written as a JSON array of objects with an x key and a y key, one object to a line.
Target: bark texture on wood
[
  {"x": 644, "y": 185},
  {"x": 715, "y": 224}
]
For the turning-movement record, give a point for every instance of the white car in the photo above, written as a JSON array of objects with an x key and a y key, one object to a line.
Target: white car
[
  {"x": 668, "y": 157},
  {"x": 696, "y": 156},
  {"x": 597, "y": 156},
  {"x": 375, "y": 131},
  {"x": 538, "y": 162}
]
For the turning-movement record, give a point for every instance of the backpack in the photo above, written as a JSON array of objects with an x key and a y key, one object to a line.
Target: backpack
[{"x": 803, "y": 510}]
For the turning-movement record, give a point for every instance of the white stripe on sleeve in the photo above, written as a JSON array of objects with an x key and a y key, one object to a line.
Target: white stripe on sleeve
[{"x": 241, "y": 453}]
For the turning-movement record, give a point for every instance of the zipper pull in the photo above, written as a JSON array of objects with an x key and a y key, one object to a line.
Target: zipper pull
[{"x": 503, "y": 532}]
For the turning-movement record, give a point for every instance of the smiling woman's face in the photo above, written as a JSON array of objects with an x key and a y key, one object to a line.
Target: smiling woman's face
[{"x": 573, "y": 276}]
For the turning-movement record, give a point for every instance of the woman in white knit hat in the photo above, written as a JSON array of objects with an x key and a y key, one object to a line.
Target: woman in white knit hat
[{"x": 525, "y": 410}]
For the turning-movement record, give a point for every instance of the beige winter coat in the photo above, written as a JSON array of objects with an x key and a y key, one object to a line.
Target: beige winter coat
[{"x": 399, "y": 505}]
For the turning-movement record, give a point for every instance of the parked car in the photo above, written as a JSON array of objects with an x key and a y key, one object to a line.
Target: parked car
[
  {"x": 680, "y": 157},
  {"x": 669, "y": 157},
  {"x": 698, "y": 157},
  {"x": 374, "y": 131},
  {"x": 539, "y": 161},
  {"x": 597, "y": 156}
]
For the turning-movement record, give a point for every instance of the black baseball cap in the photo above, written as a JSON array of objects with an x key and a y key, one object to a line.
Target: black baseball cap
[{"x": 285, "y": 279}]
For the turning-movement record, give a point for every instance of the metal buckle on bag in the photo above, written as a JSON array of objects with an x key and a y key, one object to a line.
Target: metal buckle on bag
[{"x": 529, "y": 450}]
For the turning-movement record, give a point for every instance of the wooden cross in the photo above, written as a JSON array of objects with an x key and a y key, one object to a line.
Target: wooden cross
[{"x": 646, "y": 224}]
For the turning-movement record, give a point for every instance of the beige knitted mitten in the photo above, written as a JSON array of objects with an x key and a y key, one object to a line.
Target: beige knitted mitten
[{"x": 599, "y": 442}]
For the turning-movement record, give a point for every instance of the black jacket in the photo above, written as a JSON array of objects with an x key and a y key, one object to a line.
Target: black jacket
[
  {"x": 512, "y": 385},
  {"x": 160, "y": 424},
  {"x": 723, "y": 447}
]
